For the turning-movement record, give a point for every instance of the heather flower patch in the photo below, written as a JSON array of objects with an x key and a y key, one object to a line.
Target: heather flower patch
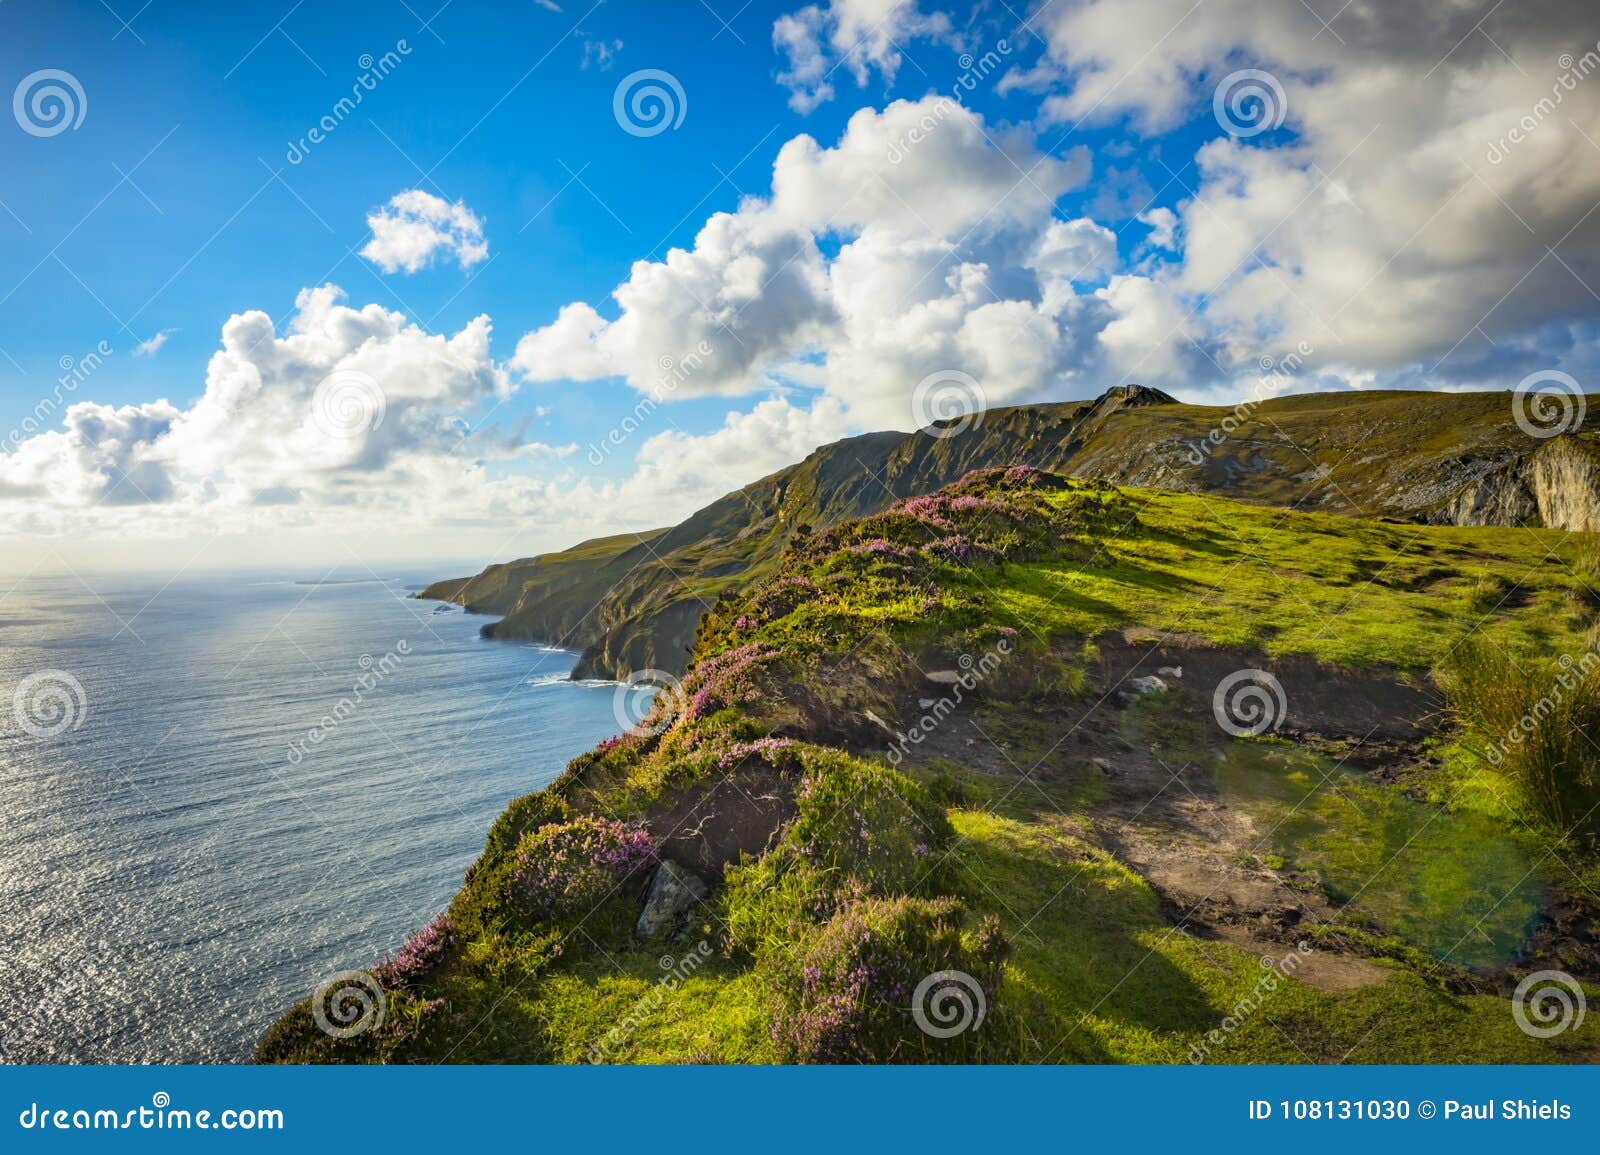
[
  {"x": 420, "y": 956},
  {"x": 846, "y": 995},
  {"x": 411, "y": 1021},
  {"x": 572, "y": 867},
  {"x": 879, "y": 547},
  {"x": 779, "y": 753},
  {"x": 781, "y": 597},
  {"x": 730, "y": 678},
  {"x": 957, "y": 548}
]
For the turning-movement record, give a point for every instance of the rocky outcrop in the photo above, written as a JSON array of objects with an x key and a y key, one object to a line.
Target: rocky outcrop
[
  {"x": 674, "y": 891},
  {"x": 1556, "y": 485},
  {"x": 1564, "y": 478}
]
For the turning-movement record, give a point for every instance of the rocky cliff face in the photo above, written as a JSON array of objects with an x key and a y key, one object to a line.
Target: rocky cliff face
[
  {"x": 1564, "y": 478},
  {"x": 1556, "y": 485},
  {"x": 633, "y": 601}
]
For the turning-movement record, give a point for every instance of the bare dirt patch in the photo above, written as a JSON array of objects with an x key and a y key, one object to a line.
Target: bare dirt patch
[
  {"x": 708, "y": 828},
  {"x": 1159, "y": 811}
]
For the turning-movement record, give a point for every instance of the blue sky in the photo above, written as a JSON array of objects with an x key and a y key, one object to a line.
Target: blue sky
[
  {"x": 1089, "y": 210},
  {"x": 214, "y": 100}
]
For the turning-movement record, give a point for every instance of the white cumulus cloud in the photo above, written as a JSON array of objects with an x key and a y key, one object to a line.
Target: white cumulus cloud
[
  {"x": 415, "y": 228},
  {"x": 861, "y": 37}
]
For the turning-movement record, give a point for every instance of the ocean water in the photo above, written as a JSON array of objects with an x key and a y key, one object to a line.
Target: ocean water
[{"x": 194, "y": 832}]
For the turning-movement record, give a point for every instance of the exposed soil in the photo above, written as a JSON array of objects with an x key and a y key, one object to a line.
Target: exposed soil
[
  {"x": 1369, "y": 705},
  {"x": 1163, "y": 817},
  {"x": 706, "y": 829}
]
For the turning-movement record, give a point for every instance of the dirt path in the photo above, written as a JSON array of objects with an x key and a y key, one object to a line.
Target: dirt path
[{"x": 1160, "y": 812}]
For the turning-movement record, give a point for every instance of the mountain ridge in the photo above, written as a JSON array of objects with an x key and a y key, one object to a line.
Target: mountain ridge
[{"x": 633, "y": 601}]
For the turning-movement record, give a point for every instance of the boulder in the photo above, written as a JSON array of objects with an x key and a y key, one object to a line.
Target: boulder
[{"x": 673, "y": 891}]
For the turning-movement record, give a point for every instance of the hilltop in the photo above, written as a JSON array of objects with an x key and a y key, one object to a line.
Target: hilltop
[
  {"x": 1165, "y": 777},
  {"x": 633, "y": 601}
]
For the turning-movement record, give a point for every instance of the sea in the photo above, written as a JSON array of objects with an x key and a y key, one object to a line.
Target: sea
[{"x": 218, "y": 792}]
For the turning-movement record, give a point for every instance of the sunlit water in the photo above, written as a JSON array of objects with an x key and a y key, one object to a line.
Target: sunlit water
[{"x": 184, "y": 861}]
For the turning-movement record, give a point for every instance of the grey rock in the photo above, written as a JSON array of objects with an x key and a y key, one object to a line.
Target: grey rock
[
  {"x": 673, "y": 891},
  {"x": 1147, "y": 685}
]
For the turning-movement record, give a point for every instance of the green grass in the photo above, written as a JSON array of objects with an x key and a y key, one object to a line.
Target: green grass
[
  {"x": 1100, "y": 977},
  {"x": 1343, "y": 591},
  {"x": 1535, "y": 722}
]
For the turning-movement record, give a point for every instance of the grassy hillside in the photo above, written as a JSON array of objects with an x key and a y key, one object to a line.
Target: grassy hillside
[
  {"x": 633, "y": 603},
  {"x": 923, "y": 745}
]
